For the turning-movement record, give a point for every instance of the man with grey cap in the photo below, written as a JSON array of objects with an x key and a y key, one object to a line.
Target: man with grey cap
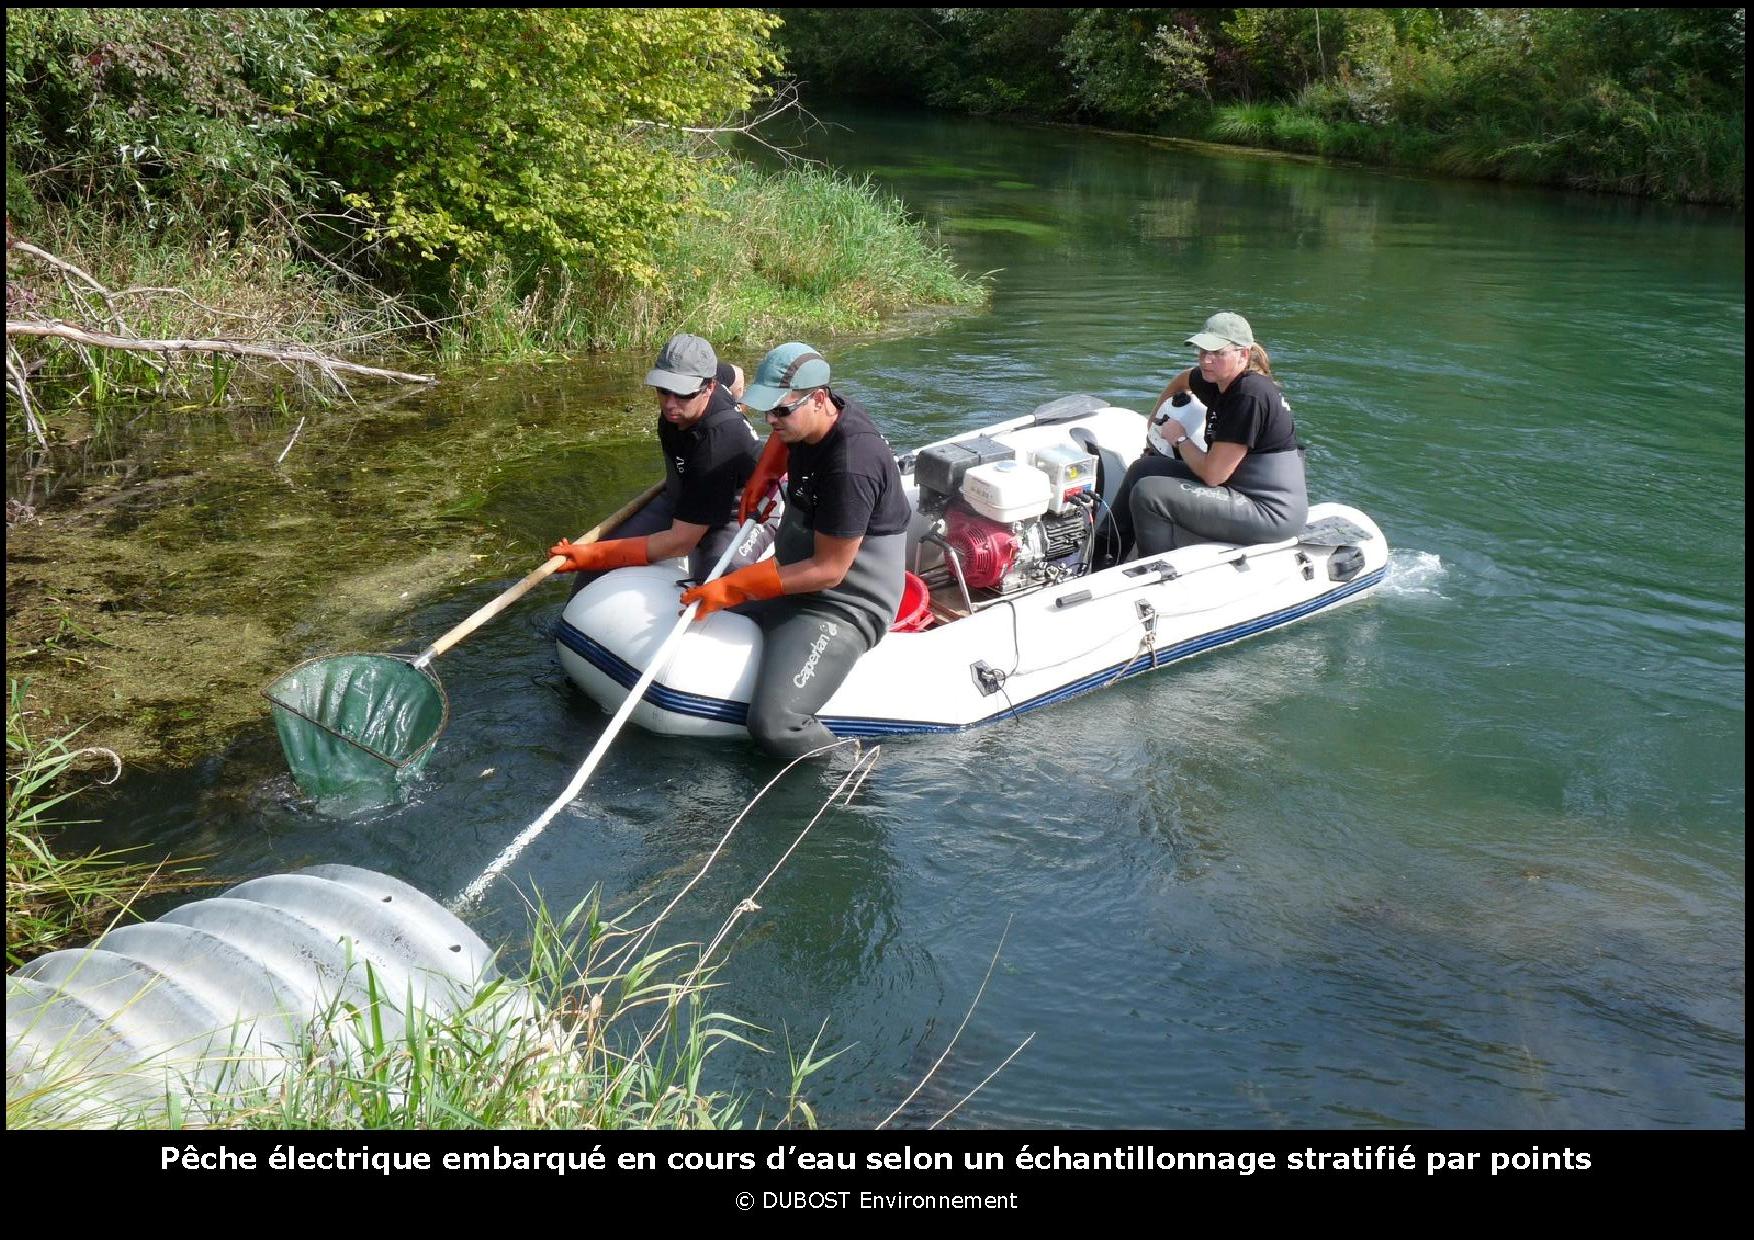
[
  {"x": 833, "y": 586},
  {"x": 1246, "y": 485},
  {"x": 709, "y": 451}
]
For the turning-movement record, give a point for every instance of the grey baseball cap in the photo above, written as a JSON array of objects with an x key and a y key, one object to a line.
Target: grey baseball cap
[
  {"x": 684, "y": 363},
  {"x": 793, "y": 366},
  {"x": 1223, "y": 330}
]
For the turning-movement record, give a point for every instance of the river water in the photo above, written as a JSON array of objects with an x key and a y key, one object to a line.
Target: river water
[{"x": 1470, "y": 853}]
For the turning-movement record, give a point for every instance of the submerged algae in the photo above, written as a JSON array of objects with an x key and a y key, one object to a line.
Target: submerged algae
[{"x": 170, "y": 567}]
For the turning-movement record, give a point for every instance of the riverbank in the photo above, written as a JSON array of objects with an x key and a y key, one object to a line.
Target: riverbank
[
  {"x": 1683, "y": 157},
  {"x": 1643, "y": 102},
  {"x": 123, "y": 573}
]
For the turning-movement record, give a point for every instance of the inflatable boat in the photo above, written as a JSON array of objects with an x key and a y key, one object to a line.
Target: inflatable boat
[{"x": 1003, "y": 612}]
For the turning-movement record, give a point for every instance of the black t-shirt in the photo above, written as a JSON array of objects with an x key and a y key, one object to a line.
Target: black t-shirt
[
  {"x": 1251, "y": 412},
  {"x": 706, "y": 465},
  {"x": 848, "y": 485}
]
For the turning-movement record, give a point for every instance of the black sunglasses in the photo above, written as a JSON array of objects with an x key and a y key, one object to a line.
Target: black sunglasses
[
  {"x": 688, "y": 395},
  {"x": 786, "y": 411}
]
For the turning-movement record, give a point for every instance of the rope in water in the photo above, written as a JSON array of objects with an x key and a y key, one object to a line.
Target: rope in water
[{"x": 661, "y": 660}]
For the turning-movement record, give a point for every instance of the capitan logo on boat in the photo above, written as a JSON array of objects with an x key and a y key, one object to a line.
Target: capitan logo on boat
[{"x": 816, "y": 649}]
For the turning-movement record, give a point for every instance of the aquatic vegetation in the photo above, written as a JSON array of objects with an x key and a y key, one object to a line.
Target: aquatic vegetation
[
  {"x": 51, "y": 899},
  {"x": 989, "y": 224}
]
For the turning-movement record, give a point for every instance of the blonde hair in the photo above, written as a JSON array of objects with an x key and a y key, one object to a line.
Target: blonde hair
[{"x": 1259, "y": 362}]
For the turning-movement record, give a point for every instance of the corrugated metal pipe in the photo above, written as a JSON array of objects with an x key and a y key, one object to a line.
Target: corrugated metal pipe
[{"x": 220, "y": 995}]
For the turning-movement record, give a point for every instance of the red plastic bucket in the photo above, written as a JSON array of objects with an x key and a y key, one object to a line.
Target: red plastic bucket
[{"x": 915, "y": 613}]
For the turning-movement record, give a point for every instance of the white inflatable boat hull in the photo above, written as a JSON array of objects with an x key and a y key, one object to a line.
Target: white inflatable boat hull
[{"x": 1018, "y": 654}]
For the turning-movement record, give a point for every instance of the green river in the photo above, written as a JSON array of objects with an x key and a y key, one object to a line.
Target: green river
[{"x": 1468, "y": 854}]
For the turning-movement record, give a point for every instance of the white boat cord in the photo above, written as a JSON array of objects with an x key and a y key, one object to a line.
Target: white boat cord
[
  {"x": 983, "y": 1083},
  {"x": 974, "y": 1003},
  {"x": 1140, "y": 584},
  {"x": 856, "y": 776},
  {"x": 644, "y": 933},
  {"x": 655, "y": 668},
  {"x": 861, "y": 767}
]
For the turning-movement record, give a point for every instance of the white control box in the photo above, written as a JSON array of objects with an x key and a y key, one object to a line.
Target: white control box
[
  {"x": 1070, "y": 471},
  {"x": 1007, "y": 491}
]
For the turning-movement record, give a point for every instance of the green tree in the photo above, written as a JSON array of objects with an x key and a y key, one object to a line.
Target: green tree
[
  {"x": 879, "y": 53},
  {"x": 170, "y": 116},
  {"x": 1110, "y": 54},
  {"x": 534, "y": 137}
]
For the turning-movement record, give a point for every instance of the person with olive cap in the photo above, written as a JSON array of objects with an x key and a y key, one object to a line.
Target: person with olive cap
[
  {"x": 833, "y": 585},
  {"x": 1246, "y": 485},
  {"x": 709, "y": 452}
]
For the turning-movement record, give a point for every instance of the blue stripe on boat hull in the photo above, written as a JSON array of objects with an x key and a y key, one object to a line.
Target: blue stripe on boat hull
[{"x": 718, "y": 710}]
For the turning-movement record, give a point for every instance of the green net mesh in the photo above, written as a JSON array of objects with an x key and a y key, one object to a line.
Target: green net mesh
[{"x": 357, "y": 726}]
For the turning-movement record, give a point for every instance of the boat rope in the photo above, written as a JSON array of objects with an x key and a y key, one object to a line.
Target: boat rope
[
  {"x": 1147, "y": 643},
  {"x": 655, "y": 667},
  {"x": 1016, "y": 658},
  {"x": 1074, "y": 656}
]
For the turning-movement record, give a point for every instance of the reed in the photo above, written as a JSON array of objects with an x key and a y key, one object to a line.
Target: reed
[
  {"x": 51, "y": 899},
  {"x": 774, "y": 254}
]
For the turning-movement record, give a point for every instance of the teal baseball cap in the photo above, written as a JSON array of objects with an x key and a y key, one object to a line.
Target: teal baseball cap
[{"x": 793, "y": 366}]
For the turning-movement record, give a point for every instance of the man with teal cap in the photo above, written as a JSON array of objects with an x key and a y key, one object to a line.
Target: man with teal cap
[{"x": 833, "y": 586}]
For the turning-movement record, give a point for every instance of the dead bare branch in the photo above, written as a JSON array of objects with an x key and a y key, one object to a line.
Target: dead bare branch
[
  {"x": 296, "y": 232},
  {"x": 784, "y": 100},
  {"x": 15, "y": 372},
  {"x": 289, "y": 443},
  {"x": 60, "y": 264},
  {"x": 142, "y": 290},
  {"x": 287, "y": 355},
  {"x": 69, "y": 270}
]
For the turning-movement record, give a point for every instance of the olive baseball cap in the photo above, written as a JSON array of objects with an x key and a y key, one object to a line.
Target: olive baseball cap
[
  {"x": 1223, "y": 330},
  {"x": 793, "y": 366},
  {"x": 684, "y": 363}
]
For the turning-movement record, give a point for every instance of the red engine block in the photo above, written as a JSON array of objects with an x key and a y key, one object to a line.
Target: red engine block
[{"x": 986, "y": 548}]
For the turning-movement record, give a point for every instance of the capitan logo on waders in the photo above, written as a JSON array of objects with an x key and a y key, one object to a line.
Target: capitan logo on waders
[{"x": 829, "y": 630}]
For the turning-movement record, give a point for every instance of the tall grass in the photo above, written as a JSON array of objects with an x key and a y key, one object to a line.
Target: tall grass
[
  {"x": 258, "y": 285},
  {"x": 53, "y": 900},
  {"x": 777, "y": 254},
  {"x": 1610, "y": 141}
]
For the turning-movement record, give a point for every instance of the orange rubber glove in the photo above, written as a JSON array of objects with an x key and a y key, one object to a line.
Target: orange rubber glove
[
  {"x": 760, "y": 580},
  {"x": 600, "y": 556},
  {"x": 769, "y": 469}
]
